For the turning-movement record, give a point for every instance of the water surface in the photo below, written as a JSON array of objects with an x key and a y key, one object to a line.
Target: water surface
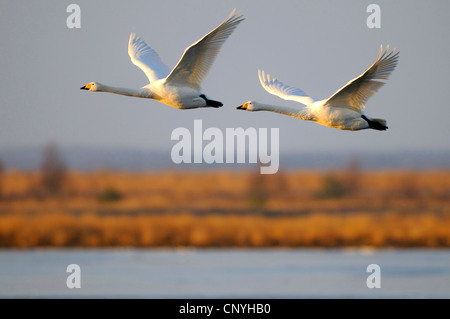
[{"x": 224, "y": 273}]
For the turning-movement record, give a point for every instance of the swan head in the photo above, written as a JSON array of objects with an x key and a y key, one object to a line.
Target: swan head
[
  {"x": 93, "y": 86},
  {"x": 249, "y": 106}
]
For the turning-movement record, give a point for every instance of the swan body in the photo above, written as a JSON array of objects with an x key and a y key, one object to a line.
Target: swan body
[
  {"x": 344, "y": 109},
  {"x": 179, "y": 87}
]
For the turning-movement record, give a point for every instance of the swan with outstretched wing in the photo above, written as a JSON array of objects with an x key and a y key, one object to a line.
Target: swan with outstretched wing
[
  {"x": 179, "y": 88},
  {"x": 344, "y": 109}
]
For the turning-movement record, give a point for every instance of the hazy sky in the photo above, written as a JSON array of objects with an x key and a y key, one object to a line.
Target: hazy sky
[{"x": 317, "y": 46}]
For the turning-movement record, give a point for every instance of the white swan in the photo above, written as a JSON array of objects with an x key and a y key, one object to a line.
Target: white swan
[
  {"x": 343, "y": 110},
  {"x": 179, "y": 88}
]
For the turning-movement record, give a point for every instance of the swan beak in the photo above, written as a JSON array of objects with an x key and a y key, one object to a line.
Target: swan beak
[
  {"x": 86, "y": 87},
  {"x": 241, "y": 107}
]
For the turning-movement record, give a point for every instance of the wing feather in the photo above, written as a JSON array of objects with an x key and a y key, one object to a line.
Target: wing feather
[
  {"x": 286, "y": 92},
  {"x": 146, "y": 59},
  {"x": 198, "y": 58},
  {"x": 356, "y": 92}
]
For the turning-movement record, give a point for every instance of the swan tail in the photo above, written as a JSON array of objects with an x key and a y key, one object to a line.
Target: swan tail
[
  {"x": 376, "y": 124},
  {"x": 211, "y": 103}
]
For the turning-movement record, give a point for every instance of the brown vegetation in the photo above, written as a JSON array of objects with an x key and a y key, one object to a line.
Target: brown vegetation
[{"x": 228, "y": 208}]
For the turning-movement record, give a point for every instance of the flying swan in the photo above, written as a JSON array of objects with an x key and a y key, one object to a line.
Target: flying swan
[
  {"x": 179, "y": 88},
  {"x": 344, "y": 109}
]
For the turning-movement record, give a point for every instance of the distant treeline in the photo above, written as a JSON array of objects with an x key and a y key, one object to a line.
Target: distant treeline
[{"x": 88, "y": 159}]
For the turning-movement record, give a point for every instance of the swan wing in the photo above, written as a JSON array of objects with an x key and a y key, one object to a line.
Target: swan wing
[
  {"x": 286, "y": 92},
  {"x": 198, "y": 58},
  {"x": 356, "y": 92},
  {"x": 146, "y": 59}
]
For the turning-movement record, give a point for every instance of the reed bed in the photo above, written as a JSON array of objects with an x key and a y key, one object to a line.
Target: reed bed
[
  {"x": 389, "y": 229},
  {"x": 227, "y": 209}
]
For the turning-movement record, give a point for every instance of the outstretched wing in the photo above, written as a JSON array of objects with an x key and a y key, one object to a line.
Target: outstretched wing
[
  {"x": 356, "y": 92},
  {"x": 146, "y": 59},
  {"x": 286, "y": 92},
  {"x": 198, "y": 58}
]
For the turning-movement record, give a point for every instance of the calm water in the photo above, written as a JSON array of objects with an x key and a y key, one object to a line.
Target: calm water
[{"x": 230, "y": 273}]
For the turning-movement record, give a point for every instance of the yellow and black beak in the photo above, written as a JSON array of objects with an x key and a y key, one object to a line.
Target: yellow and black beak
[
  {"x": 242, "y": 107},
  {"x": 86, "y": 87}
]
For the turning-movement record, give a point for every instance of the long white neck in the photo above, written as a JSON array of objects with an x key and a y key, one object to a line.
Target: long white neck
[
  {"x": 141, "y": 92},
  {"x": 299, "y": 113}
]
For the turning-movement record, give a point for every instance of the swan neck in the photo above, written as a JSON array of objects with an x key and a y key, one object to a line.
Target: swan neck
[
  {"x": 300, "y": 113},
  {"x": 144, "y": 93}
]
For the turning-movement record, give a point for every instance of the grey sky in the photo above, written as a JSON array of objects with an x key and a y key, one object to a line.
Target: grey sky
[{"x": 315, "y": 45}]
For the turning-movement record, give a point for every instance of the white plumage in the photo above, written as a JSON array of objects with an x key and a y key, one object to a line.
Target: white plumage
[
  {"x": 179, "y": 88},
  {"x": 343, "y": 110}
]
